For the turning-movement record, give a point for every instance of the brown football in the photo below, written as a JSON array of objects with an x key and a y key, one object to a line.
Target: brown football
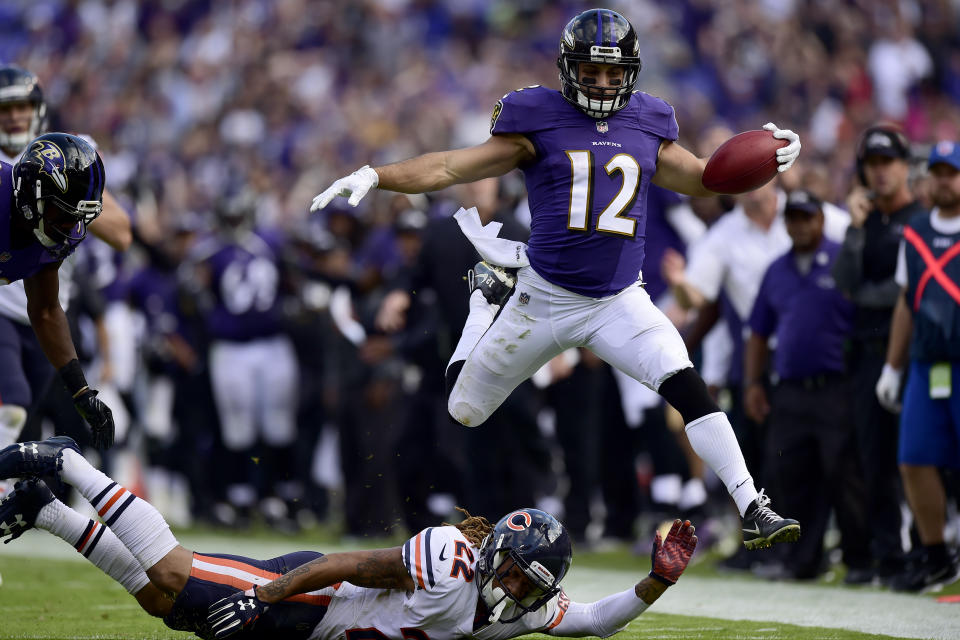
[{"x": 743, "y": 163}]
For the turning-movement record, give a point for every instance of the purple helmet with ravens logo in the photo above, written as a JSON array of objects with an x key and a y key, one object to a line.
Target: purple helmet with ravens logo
[
  {"x": 539, "y": 545},
  {"x": 58, "y": 190},
  {"x": 598, "y": 36},
  {"x": 20, "y": 86}
]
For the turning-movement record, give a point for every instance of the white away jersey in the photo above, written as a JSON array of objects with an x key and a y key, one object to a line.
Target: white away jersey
[{"x": 442, "y": 563}]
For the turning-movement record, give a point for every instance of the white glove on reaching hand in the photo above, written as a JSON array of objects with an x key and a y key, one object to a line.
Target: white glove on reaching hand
[
  {"x": 788, "y": 154},
  {"x": 888, "y": 388},
  {"x": 354, "y": 185}
]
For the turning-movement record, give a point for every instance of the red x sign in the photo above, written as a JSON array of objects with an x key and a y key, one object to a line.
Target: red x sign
[{"x": 934, "y": 267}]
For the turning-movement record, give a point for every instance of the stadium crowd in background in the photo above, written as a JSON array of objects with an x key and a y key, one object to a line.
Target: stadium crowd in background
[{"x": 196, "y": 105}]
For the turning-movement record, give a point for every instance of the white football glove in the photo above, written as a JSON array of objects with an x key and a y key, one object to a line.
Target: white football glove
[
  {"x": 888, "y": 388},
  {"x": 788, "y": 154},
  {"x": 354, "y": 185}
]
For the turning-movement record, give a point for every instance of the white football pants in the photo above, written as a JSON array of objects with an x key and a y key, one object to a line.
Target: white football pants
[
  {"x": 541, "y": 320},
  {"x": 255, "y": 389}
]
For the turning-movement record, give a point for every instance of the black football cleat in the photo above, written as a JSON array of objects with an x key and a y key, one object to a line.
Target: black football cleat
[
  {"x": 927, "y": 574},
  {"x": 18, "y": 511},
  {"x": 763, "y": 528},
  {"x": 32, "y": 459},
  {"x": 495, "y": 283}
]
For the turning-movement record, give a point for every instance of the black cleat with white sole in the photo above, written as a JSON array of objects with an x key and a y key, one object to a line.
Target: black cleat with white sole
[
  {"x": 495, "y": 282},
  {"x": 763, "y": 528},
  {"x": 18, "y": 511},
  {"x": 32, "y": 459}
]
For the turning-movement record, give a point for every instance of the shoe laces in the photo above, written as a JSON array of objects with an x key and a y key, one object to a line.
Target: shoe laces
[{"x": 763, "y": 512}]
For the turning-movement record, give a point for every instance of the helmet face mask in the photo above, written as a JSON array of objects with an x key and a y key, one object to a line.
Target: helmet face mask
[
  {"x": 598, "y": 37},
  {"x": 58, "y": 190},
  {"x": 20, "y": 87},
  {"x": 533, "y": 542}
]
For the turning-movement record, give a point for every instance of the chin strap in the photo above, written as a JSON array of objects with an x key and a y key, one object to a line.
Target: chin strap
[{"x": 497, "y": 610}]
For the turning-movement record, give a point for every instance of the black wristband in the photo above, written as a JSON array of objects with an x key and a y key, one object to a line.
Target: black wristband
[
  {"x": 661, "y": 579},
  {"x": 72, "y": 376}
]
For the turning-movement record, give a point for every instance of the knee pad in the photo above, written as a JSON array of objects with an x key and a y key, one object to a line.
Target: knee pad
[
  {"x": 687, "y": 393},
  {"x": 12, "y": 419}
]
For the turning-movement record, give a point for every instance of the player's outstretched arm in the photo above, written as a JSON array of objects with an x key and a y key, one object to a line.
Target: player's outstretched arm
[
  {"x": 433, "y": 171},
  {"x": 681, "y": 171},
  {"x": 53, "y": 333},
  {"x": 669, "y": 557},
  {"x": 379, "y": 568}
]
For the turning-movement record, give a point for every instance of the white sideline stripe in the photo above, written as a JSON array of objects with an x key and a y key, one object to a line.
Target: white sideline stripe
[
  {"x": 728, "y": 598},
  {"x": 732, "y": 598}
]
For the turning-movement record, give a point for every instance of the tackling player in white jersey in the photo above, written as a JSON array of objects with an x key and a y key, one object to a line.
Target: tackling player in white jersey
[{"x": 470, "y": 580}]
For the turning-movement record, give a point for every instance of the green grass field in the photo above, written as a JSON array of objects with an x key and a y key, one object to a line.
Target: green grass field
[{"x": 65, "y": 598}]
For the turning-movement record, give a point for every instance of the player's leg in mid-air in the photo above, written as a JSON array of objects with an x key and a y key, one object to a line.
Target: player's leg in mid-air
[
  {"x": 631, "y": 333},
  {"x": 134, "y": 545},
  {"x": 505, "y": 339}
]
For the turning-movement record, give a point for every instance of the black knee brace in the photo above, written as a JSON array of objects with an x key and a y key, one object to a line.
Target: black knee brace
[
  {"x": 687, "y": 393},
  {"x": 450, "y": 378}
]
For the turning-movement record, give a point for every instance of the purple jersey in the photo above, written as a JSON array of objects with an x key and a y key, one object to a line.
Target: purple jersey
[
  {"x": 16, "y": 264},
  {"x": 587, "y": 187},
  {"x": 246, "y": 287}
]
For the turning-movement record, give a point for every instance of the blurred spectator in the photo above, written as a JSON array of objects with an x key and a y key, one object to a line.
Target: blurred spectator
[
  {"x": 189, "y": 98},
  {"x": 926, "y": 324},
  {"x": 879, "y": 207},
  {"x": 810, "y": 438},
  {"x": 253, "y": 369}
]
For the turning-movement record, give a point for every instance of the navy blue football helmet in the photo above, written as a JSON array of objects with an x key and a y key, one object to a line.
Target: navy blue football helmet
[
  {"x": 600, "y": 36},
  {"x": 539, "y": 545},
  {"x": 58, "y": 190},
  {"x": 19, "y": 85}
]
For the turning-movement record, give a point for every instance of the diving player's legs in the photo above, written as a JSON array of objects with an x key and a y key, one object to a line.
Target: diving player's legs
[
  {"x": 178, "y": 587},
  {"x": 505, "y": 353},
  {"x": 629, "y": 332},
  {"x": 32, "y": 504}
]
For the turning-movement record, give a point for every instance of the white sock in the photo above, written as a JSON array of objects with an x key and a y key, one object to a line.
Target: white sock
[
  {"x": 139, "y": 526},
  {"x": 478, "y": 321},
  {"x": 96, "y": 542},
  {"x": 713, "y": 440},
  {"x": 12, "y": 419}
]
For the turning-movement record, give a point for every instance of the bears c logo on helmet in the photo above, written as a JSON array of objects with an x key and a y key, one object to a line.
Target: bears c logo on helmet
[
  {"x": 519, "y": 520},
  {"x": 51, "y": 158}
]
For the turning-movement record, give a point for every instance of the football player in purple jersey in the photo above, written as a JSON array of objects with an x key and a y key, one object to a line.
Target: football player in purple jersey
[
  {"x": 47, "y": 199},
  {"x": 253, "y": 367},
  {"x": 588, "y": 153},
  {"x": 23, "y": 116}
]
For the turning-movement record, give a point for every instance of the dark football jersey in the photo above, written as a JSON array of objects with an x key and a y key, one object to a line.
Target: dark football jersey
[
  {"x": 246, "y": 287},
  {"x": 587, "y": 187},
  {"x": 16, "y": 264}
]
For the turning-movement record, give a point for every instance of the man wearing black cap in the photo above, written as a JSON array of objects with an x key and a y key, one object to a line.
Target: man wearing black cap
[
  {"x": 926, "y": 326},
  {"x": 879, "y": 207},
  {"x": 810, "y": 443}
]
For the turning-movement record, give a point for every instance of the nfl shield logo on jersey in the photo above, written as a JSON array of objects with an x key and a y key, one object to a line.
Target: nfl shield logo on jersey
[
  {"x": 602, "y": 126},
  {"x": 524, "y": 297},
  {"x": 5, "y": 256}
]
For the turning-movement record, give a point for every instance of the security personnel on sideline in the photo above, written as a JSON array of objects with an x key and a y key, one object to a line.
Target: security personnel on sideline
[
  {"x": 879, "y": 208},
  {"x": 810, "y": 442},
  {"x": 927, "y": 321}
]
